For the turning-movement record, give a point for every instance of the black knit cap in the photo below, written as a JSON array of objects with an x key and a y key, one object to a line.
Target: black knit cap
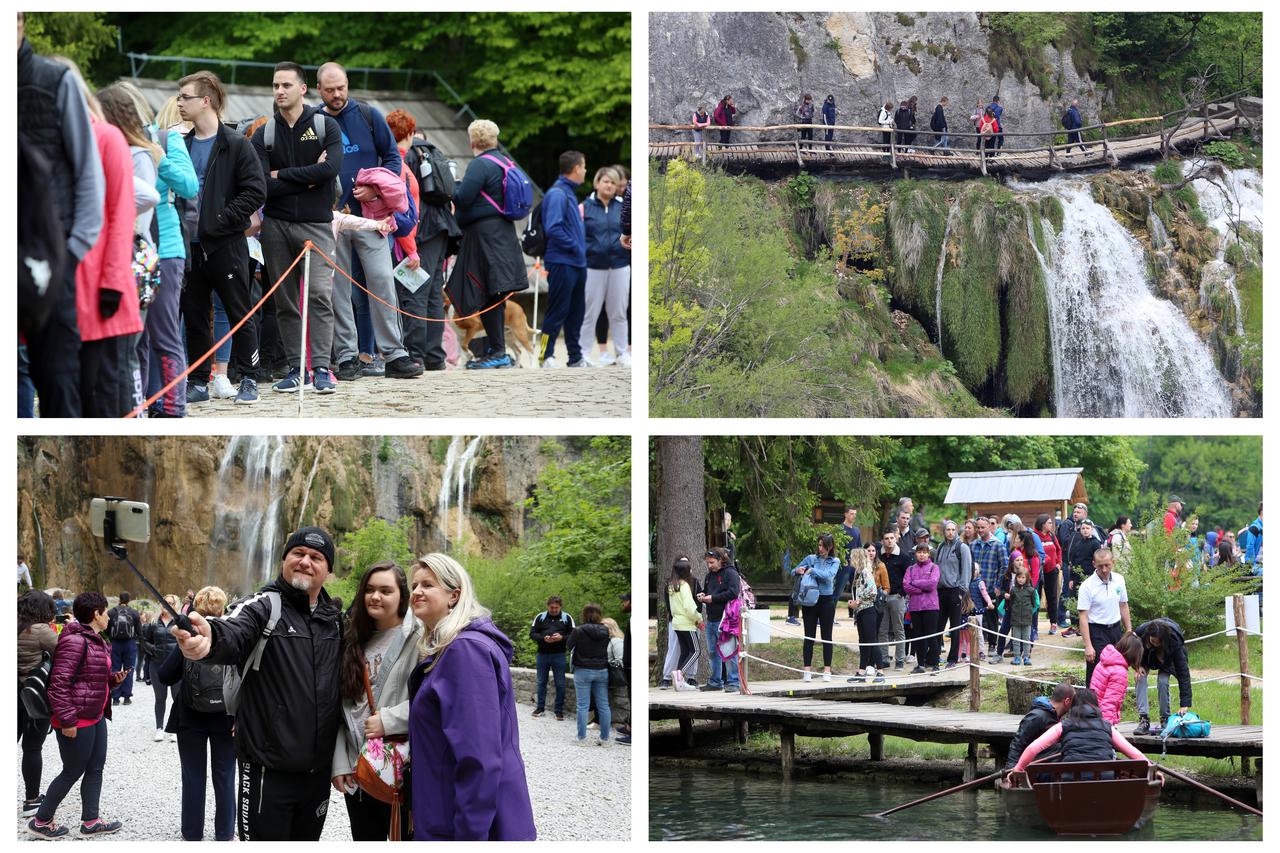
[{"x": 311, "y": 537}]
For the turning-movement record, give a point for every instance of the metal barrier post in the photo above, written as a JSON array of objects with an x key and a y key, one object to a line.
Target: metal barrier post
[{"x": 302, "y": 343}]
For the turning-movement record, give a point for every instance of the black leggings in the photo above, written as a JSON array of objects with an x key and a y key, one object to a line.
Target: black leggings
[
  {"x": 495, "y": 328},
  {"x": 949, "y": 614},
  {"x": 821, "y": 614},
  {"x": 687, "y": 663},
  {"x": 371, "y": 818},
  {"x": 83, "y": 758},
  {"x": 1051, "y": 591},
  {"x": 162, "y": 695},
  {"x": 927, "y": 649},
  {"x": 32, "y": 733},
  {"x": 867, "y": 653}
]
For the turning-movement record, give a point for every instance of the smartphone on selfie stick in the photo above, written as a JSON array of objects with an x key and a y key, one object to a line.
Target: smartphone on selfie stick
[{"x": 119, "y": 521}]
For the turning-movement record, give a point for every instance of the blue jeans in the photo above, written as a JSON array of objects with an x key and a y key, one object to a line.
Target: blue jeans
[
  {"x": 222, "y": 757},
  {"x": 221, "y": 325},
  {"x": 124, "y": 655},
  {"x": 26, "y": 388},
  {"x": 592, "y": 684},
  {"x": 555, "y": 662},
  {"x": 724, "y": 673}
]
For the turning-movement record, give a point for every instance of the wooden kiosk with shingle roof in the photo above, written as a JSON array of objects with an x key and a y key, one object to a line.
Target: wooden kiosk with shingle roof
[{"x": 1026, "y": 494}]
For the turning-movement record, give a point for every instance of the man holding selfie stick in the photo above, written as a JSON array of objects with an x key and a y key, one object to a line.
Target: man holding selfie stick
[{"x": 289, "y": 708}]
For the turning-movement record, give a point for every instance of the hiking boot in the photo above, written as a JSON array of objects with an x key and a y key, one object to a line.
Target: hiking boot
[
  {"x": 1164, "y": 722},
  {"x": 430, "y": 366},
  {"x": 100, "y": 827},
  {"x": 538, "y": 712},
  {"x": 197, "y": 393},
  {"x": 349, "y": 370},
  {"x": 323, "y": 382},
  {"x": 293, "y": 382},
  {"x": 622, "y": 739},
  {"x": 918, "y": 669},
  {"x": 1144, "y": 725},
  {"x": 47, "y": 831},
  {"x": 128, "y": 700},
  {"x": 30, "y": 807},
  {"x": 403, "y": 368},
  {"x": 248, "y": 394},
  {"x": 221, "y": 388}
]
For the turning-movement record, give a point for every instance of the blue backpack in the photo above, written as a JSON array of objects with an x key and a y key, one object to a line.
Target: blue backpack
[
  {"x": 517, "y": 190},
  {"x": 1183, "y": 725},
  {"x": 808, "y": 595}
]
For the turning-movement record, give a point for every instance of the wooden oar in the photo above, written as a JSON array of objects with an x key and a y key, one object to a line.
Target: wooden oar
[
  {"x": 1192, "y": 782},
  {"x": 961, "y": 787}
]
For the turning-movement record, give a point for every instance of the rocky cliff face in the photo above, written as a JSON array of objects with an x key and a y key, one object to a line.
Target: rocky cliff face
[
  {"x": 767, "y": 60},
  {"x": 203, "y": 498}
]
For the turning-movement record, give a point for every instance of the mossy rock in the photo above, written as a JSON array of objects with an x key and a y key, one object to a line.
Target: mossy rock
[
  {"x": 1051, "y": 209},
  {"x": 917, "y": 220}
]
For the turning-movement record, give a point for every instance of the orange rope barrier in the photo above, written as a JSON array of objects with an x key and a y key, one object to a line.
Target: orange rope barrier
[
  {"x": 397, "y": 309},
  {"x": 181, "y": 377}
]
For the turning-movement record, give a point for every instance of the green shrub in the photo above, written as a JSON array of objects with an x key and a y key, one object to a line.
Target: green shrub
[{"x": 1227, "y": 152}]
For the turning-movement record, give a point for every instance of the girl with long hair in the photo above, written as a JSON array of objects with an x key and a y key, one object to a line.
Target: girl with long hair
[
  {"x": 686, "y": 619},
  {"x": 36, "y": 636},
  {"x": 380, "y": 650},
  {"x": 864, "y": 597},
  {"x": 823, "y": 565},
  {"x": 589, "y": 645},
  {"x": 470, "y": 783}
]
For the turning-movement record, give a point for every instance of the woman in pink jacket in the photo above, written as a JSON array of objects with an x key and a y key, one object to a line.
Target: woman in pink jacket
[
  {"x": 920, "y": 583},
  {"x": 1111, "y": 675}
]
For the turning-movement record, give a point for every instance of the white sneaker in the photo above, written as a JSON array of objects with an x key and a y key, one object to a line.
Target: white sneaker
[
  {"x": 173, "y": 737},
  {"x": 826, "y": 676},
  {"x": 550, "y": 363},
  {"x": 624, "y": 360},
  {"x": 607, "y": 359},
  {"x": 808, "y": 676},
  {"x": 221, "y": 388},
  {"x": 159, "y": 735}
]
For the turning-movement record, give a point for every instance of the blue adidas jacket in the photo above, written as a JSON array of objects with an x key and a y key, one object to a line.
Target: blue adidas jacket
[
  {"x": 363, "y": 148},
  {"x": 566, "y": 234},
  {"x": 604, "y": 234}
]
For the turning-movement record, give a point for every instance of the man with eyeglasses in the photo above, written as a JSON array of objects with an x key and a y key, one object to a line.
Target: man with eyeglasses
[
  {"x": 232, "y": 188},
  {"x": 896, "y": 560},
  {"x": 992, "y": 558}
]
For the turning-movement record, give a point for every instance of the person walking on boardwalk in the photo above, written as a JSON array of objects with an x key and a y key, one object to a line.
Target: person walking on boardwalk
[
  {"x": 724, "y": 116},
  {"x": 804, "y": 115},
  {"x": 829, "y": 117},
  {"x": 998, "y": 111},
  {"x": 700, "y": 121},
  {"x": 1072, "y": 122},
  {"x": 988, "y": 130},
  {"x": 938, "y": 124},
  {"x": 902, "y": 121},
  {"x": 818, "y": 601},
  {"x": 885, "y": 120}
]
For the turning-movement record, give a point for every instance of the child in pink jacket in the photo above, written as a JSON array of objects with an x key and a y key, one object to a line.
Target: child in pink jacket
[
  {"x": 1111, "y": 675},
  {"x": 920, "y": 583}
]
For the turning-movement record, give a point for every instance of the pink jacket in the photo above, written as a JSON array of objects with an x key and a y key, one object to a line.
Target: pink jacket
[
  {"x": 391, "y": 193},
  {"x": 920, "y": 583},
  {"x": 1110, "y": 681},
  {"x": 109, "y": 264}
]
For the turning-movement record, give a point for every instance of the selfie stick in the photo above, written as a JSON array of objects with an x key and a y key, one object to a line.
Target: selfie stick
[{"x": 118, "y": 550}]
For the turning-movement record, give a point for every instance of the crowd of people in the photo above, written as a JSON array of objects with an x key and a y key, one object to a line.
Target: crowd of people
[
  {"x": 898, "y": 123},
  {"x": 276, "y": 697},
  {"x": 147, "y": 236}
]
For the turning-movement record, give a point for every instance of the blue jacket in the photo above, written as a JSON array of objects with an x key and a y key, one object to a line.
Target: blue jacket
[
  {"x": 998, "y": 111},
  {"x": 1073, "y": 118},
  {"x": 363, "y": 148},
  {"x": 176, "y": 173},
  {"x": 1254, "y": 544},
  {"x": 604, "y": 234},
  {"x": 828, "y": 112},
  {"x": 824, "y": 571},
  {"x": 566, "y": 234}
]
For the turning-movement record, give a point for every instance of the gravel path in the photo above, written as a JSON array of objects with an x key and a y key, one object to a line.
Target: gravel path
[
  {"x": 588, "y": 393},
  {"x": 579, "y": 792}
]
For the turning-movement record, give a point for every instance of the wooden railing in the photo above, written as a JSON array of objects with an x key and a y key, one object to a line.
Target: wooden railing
[{"x": 1173, "y": 129}]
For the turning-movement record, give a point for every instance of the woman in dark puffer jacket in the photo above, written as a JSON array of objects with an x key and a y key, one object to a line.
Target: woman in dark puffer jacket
[{"x": 80, "y": 698}]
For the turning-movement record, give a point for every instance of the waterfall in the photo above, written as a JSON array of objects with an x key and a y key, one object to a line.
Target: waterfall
[
  {"x": 1123, "y": 351},
  {"x": 1055, "y": 338},
  {"x": 937, "y": 279},
  {"x": 246, "y": 523},
  {"x": 386, "y": 482},
  {"x": 1236, "y": 197},
  {"x": 459, "y": 465}
]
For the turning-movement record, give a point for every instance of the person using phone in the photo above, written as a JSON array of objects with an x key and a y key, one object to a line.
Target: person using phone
[{"x": 79, "y": 696}]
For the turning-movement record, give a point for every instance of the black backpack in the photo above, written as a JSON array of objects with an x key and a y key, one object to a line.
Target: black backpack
[
  {"x": 436, "y": 173},
  {"x": 1066, "y": 120},
  {"x": 122, "y": 627},
  {"x": 533, "y": 242},
  {"x": 202, "y": 687},
  {"x": 35, "y": 686},
  {"x": 42, "y": 242}
]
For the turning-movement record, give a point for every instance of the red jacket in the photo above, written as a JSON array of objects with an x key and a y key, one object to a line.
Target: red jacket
[
  {"x": 109, "y": 264},
  {"x": 1052, "y": 554},
  {"x": 1110, "y": 681},
  {"x": 1170, "y": 521},
  {"x": 80, "y": 683}
]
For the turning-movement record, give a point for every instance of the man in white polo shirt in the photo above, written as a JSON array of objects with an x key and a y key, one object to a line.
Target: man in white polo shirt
[{"x": 1104, "y": 609}]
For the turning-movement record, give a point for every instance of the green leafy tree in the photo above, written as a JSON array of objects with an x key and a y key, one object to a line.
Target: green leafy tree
[
  {"x": 80, "y": 36},
  {"x": 584, "y": 509},
  {"x": 1218, "y": 477}
]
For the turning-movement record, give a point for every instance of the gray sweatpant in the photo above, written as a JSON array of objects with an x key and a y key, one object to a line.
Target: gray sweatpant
[
  {"x": 608, "y": 290},
  {"x": 281, "y": 243},
  {"x": 375, "y": 262},
  {"x": 894, "y": 608},
  {"x": 1162, "y": 694}
]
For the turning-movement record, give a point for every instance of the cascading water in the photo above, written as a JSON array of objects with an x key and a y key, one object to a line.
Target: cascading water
[
  {"x": 1055, "y": 342},
  {"x": 245, "y": 539},
  {"x": 386, "y": 481},
  {"x": 937, "y": 279},
  {"x": 1235, "y": 198},
  {"x": 459, "y": 465},
  {"x": 1123, "y": 351}
]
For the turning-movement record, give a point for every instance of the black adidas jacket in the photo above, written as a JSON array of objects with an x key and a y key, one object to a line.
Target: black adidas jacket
[
  {"x": 233, "y": 189},
  {"x": 290, "y": 709},
  {"x": 303, "y": 189}
]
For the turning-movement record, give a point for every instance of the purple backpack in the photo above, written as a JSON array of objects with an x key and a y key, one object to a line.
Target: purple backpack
[{"x": 517, "y": 190}]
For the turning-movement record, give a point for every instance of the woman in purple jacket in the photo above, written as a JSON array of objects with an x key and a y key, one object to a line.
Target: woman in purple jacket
[
  {"x": 79, "y": 695},
  {"x": 920, "y": 583},
  {"x": 464, "y": 743}
]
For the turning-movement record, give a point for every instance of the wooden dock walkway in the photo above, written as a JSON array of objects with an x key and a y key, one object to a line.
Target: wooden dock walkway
[
  {"x": 817, "y": 717},
  {"x": 915, "y": 688},
  {"x": 1176, "y": 131}
]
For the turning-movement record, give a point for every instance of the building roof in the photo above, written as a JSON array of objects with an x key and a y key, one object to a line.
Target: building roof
[
  {"x": 1042, "y": 484},
  {"x": 436, "y": 120}
]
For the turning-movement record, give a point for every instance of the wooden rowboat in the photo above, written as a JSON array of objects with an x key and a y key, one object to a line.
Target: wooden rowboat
[{"x": 1085, "y": 797}]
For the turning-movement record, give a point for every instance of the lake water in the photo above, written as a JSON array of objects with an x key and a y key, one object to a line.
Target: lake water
[{"x": 688, "y": 804}]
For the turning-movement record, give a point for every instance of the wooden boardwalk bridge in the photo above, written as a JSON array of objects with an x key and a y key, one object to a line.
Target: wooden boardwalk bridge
[
  {"x": 783, "y": 709},
  {"x": 1102, "y": 147}
]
